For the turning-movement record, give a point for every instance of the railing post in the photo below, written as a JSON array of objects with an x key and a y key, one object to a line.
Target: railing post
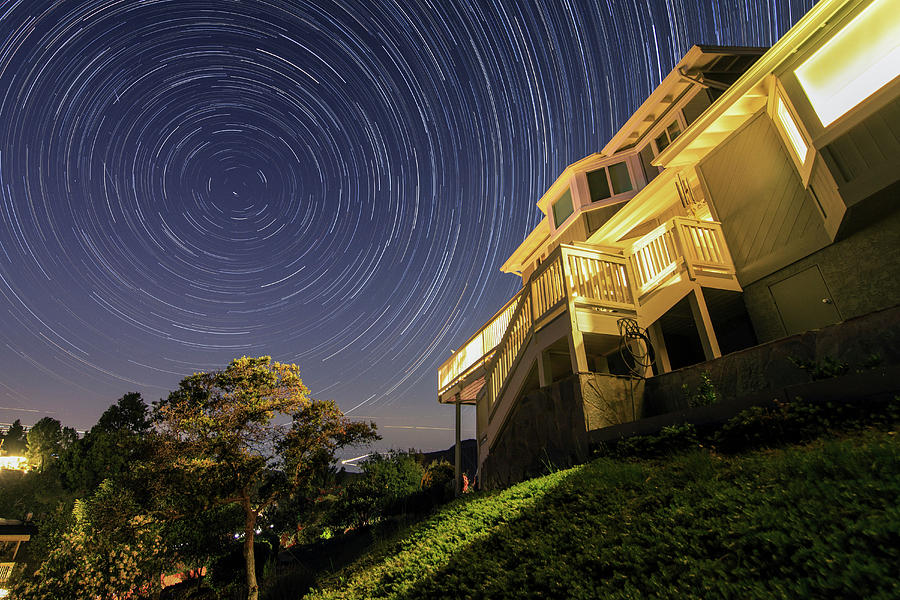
[
  {"x": 576, "y": 339},
  {"x": 682, "y": 245},
  {"x": 659, "y": 347}
]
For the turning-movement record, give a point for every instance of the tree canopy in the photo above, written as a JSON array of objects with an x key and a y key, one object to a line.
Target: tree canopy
[
  {"x": 45, "y": 440},
  {"x": 247, "y": 435},
  {"x": 14, "y": 441}
]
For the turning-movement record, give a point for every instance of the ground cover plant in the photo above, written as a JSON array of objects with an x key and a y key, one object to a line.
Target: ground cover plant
[{"x": 817, "y": 519}]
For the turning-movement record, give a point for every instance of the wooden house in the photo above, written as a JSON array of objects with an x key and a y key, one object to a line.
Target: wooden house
[{"x": 753, "y": 195}]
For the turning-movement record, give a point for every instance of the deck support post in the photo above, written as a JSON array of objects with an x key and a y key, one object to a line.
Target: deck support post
[
  {"x": 663, "y": 365},
  {"x": 576, "y": 351},
  {"x": 545, "y": 369},
  {"x": 703, "y": 322},
  {"x": 457, "y": 451}
]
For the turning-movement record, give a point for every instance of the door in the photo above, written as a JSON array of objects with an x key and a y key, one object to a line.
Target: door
[{"x": 804, "y": 302}]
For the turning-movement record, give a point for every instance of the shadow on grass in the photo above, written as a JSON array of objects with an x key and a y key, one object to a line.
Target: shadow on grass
[{"x": 819, "y": 520}]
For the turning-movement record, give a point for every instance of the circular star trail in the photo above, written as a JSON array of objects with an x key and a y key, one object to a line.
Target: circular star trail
[{"x": 332, "y": 183}]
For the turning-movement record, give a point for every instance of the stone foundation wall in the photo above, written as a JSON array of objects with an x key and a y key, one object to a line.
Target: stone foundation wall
[
  {"x": 548, "y": 429},
  {"x": 554, "y": 427},
  {"x": 545, "y": 431},
  {"x": 870, "y": 340}
]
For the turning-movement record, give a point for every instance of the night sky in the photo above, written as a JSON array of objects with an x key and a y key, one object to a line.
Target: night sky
[{"x": 335, "y": 184}]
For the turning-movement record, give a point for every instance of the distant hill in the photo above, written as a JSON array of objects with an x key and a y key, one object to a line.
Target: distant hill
[{"x": 469, "y": 457}]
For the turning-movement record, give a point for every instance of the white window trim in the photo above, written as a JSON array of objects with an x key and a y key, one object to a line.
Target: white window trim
[{"x": 791, "y": 130}]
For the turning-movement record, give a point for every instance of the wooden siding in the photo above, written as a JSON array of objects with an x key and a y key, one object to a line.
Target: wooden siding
[
  {"x": 769, "y": 219},
  {"x": 867, "y": 157}
]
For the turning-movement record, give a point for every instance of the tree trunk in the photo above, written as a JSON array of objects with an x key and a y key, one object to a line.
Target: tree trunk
[{"x": 249, "y": 556}]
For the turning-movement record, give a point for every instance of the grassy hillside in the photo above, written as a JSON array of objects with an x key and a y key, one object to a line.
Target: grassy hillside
[{"x": 815, "y": 520}]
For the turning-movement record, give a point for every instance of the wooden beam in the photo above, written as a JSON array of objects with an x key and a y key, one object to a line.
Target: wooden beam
[
  {"x": 576, "y": 351},
  {"x": 703, "y": 322},
  {"x": 457, "y": 451},
  {"x": 545, "y": 369},
  {"x": 663, "y": 365}
]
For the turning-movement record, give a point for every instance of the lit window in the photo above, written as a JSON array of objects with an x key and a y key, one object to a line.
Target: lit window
[
  {"x": 859, "y": 60},
  {"x": 791, "y": 130},
  {"x": 562, "y": 208}
]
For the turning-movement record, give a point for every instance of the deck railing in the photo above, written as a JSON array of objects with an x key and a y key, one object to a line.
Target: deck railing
[
  {"x": 477, "y": 348},
  {"x": 6, "y": 570},
  {"x": 585, "y": 277}
]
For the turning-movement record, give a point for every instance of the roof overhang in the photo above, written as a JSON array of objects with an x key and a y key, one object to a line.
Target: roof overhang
[
  {"x": 653, "y": 200},
  {"x": 669, "y": 90},
  {"x": 748, "y": 94},
  {"x": 526, "y": 250}
]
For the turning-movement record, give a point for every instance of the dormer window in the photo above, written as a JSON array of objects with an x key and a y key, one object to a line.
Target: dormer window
[
  {"x": 609, "y": 181},
  {"x": 563, "y": 208}
]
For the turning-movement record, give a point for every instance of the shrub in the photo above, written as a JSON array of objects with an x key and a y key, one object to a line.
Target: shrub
[
  {"x": 826, "y": 368},
  {"x": 704, "y": 395},
  {"x": 672, "y": 439},
  {"x": 387, "y": 484}
]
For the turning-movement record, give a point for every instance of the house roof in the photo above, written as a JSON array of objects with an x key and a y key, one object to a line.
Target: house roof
[
  {"x": 698, "y": 67},
  {"x": 12, "y": 530},
  {"x": 689, "y": 71},
  {"x": 533, "y": 243}
]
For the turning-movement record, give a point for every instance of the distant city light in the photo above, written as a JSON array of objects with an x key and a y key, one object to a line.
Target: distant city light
[{"x": 14, "y": 463}]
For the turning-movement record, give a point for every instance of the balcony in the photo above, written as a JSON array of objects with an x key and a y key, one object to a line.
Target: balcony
[{"x": 642, "y": 281}]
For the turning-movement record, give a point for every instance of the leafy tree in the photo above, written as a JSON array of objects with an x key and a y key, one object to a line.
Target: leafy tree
[
  {"x": 248, "y": 435},
  {"x": 129, "y": 414},
  {"x": 46, "y": 439},
  {"x": 14, "y": 441},
  {"x": 111, "y": 447},
  {"x": 107, "y": 550}
]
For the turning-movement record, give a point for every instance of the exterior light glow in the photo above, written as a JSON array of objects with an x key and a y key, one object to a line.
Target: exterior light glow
[
  {"x": 859, "y": 60},
  {"x": 17, "y": 463},
  {"x": 790, "y": 128}
]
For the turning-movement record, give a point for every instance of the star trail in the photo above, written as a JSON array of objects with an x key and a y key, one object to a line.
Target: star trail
[{"x": 332, "y": 183}]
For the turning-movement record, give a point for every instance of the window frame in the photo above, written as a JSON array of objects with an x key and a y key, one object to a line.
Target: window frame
[
  {"x": 609, "y": 183},
  {"x": 778, "y": 97},
  {"x": 572, "y": 211}
]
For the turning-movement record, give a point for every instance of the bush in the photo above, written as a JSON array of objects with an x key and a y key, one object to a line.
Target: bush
[
  {"x": 386, "y": 486},
  {"x": 704, "y": 395},
  {"x": 438, "y": 483},
  {"x": 672, "y": 439}
]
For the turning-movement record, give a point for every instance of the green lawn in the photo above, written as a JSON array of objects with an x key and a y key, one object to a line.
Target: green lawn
[{"x": 816, "y": 520}]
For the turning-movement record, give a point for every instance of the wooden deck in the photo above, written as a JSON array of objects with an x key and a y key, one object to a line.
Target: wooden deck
[{"x": 595, "y": 289}]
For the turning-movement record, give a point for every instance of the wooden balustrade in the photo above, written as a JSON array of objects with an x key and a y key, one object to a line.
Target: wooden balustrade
[
  {"x": 704, "y": 244},
  {"x": 518, "y": 332},
  {"x": 581, "y": 276},
  {"x": 598, "y": 278},
  {"x": 653, "y": 258},
  {"x": 477, "y": 348},
  {"x": 547, "y": 287}
]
